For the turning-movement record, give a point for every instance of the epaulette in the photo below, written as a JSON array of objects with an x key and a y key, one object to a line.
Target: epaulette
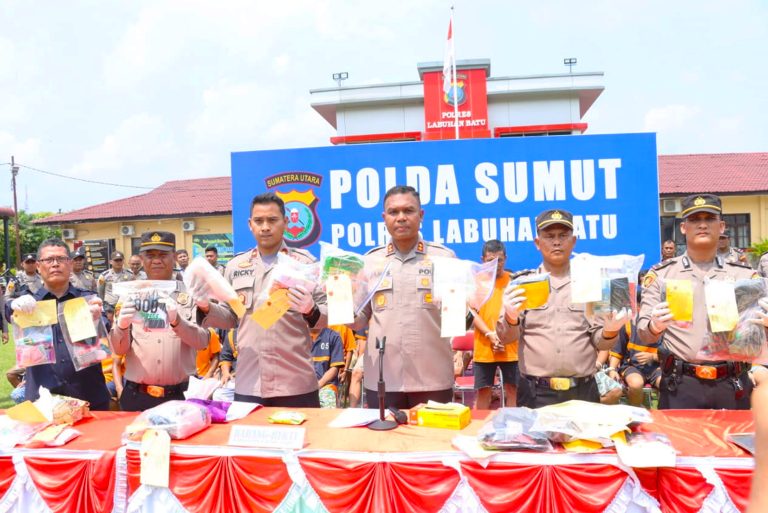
[
  {"x": 740, "y": 264},
  {"x": 651, "y": 275},
  {"x": 662, "y": 265},
  {"x": 377, "y": 248},
  {"x": 524, "y": 272}
]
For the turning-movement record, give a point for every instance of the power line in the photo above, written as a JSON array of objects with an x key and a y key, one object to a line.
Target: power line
[
  {"x": 170, "y": 189},
  {"x": 84, "y": 179}
]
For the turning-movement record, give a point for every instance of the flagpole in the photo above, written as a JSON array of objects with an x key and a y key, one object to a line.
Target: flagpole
[{"x": 455, "y": 83}]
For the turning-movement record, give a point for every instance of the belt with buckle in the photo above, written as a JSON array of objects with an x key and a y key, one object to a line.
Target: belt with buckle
[
  {"x": 559, "y": 384},
  {"x": 713, "y": 371},
  {"x": 159, "y": 391}
]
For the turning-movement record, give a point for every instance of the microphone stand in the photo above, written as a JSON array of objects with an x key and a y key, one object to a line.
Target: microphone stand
[{"x": 382, "y": 424}]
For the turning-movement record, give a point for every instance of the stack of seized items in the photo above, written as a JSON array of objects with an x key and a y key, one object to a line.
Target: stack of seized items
[
  {"x": 578, "y": 426},
  {"x": 46, "y": 422}
]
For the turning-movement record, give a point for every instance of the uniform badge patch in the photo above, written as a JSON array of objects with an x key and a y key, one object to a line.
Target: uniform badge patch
[
  {"x": 182, "y": 298},
  {"x": 426, "y": 298},
  {"x": 241, "y": 297},
  {"x": 381, "y": 300},
  {"x": 425, "y": 282},
  {"x": 649, "y": 278},
  {"x": 244, "y": 264}
]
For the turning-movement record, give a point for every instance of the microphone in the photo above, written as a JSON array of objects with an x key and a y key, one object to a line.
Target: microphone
[{"x": 382, "y": 424}]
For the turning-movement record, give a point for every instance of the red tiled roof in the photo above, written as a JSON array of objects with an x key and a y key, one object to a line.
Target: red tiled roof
[
  {"x": 718, "y": 173},
  {"x": 200, "y": 196}
]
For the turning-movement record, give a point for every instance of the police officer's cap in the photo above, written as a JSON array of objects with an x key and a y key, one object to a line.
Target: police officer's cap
[
  {"x": 701, "y": 203},
  {"x": 550, "y": 217},
  {"x": 726, "y": 234},
  {"x": 118, "y": 256},
  {"x": 79, "y": 252},
  {"x": 163, "y": 241},
  {"x": 30, "y": 257}
]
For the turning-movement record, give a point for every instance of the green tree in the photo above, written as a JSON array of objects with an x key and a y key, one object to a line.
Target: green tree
[
  {"x": 31, "y": 234},
  {"x": 756, "y": 250}
]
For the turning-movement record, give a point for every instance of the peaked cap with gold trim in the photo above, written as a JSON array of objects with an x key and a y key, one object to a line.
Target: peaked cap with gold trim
[
  {"x": 163, "y": 241},
  {"x": 550, "y": 217},
  {"x": 701, "y": 203}
]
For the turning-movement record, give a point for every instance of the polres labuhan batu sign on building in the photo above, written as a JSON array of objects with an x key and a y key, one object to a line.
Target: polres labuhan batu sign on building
[{"x": 471, "y": 191}]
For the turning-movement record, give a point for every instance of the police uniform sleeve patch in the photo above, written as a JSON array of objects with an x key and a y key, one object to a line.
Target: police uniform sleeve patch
[
  {"x": 653, "y": 272},
  {"x": 649, "y": 278}
]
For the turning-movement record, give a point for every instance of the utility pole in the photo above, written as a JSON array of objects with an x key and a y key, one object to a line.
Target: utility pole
[{"x": 14, "y": 172}]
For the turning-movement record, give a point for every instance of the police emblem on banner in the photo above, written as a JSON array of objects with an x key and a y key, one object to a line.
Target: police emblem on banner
[
  {"x": 457, "y": 94},
  {"x": 303, "y": 226}
]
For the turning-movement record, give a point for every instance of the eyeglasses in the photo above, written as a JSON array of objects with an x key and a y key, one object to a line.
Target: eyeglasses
[{"x": 55, "y": 260}]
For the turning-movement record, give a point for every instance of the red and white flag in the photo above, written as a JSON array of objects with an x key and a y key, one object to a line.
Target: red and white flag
[{"x": 448, "y": 59}]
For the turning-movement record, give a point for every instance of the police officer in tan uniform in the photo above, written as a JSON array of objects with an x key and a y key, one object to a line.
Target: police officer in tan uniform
[
  {"x": 115, "y": 274},
  {"x": 274, "y": 365},
  {"x": 27, "y": 279},
  {"x": 418, "y": 363},
  {"x": 558, "y": 343},
  {"x": 727, "y": 252},
  {"x": 81, "y": 277},
  {"x": 158, "y": 363},
  {"x": 686, "y": 382},
  {"x": 134, "y": 263}
]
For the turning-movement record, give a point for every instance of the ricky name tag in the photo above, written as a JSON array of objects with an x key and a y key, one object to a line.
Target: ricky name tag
[{"x": 272, "y": 437}]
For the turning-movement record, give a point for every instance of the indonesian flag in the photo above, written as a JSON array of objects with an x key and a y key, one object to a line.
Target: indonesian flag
[{"x": 448, "y": 59}]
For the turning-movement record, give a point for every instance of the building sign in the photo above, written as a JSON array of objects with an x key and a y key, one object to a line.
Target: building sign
[
  {"x": 469, "y": 91},
  {"x": 97, "y": 254},
  {"x": 471, "y": 191},
  {"x": 221, "y": 241}
]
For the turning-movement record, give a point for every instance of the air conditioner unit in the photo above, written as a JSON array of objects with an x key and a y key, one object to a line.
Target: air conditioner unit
[
  {"x": 670, "y": 206},
  {"x": 188, "y": 226},
  {"x": 67, "y": 233},
  {"x": 127, "y": 230}
]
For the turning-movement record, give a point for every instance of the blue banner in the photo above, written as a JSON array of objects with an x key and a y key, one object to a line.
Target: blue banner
[{"x": 471, "y": 191}]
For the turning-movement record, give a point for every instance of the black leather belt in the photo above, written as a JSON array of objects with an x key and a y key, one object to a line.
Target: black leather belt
[
  {"x": 713, "y": 371},
  {"x": 560, "y": 384},
  {"x": 158, "y": 391}
]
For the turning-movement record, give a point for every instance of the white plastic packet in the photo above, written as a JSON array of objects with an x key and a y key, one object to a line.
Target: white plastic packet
[
  {"x": 202, "y": 279},
  {"x": 288, "y": 273},
  {"x": 148, "y": 296}
]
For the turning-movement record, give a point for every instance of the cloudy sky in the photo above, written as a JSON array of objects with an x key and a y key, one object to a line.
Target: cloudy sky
[{"x": 141, "y": 92}]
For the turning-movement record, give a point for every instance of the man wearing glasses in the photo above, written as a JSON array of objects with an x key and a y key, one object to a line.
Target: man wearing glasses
[
  {"x": 115, "y": 274},
  {"x": 686, "y": 382},
  {"x": 558, "y": 343},
  {"x": 55, "y": 266}
]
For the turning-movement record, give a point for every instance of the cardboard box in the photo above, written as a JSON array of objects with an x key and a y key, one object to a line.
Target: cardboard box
[{"x": 449, "y": 416}]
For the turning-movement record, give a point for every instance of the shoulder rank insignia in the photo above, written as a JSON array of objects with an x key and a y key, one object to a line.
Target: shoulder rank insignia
[
  {"x": 524, "y": 272},
  {"x": 738, "y": 264}
]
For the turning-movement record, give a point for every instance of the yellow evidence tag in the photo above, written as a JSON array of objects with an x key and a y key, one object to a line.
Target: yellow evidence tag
[{"x": 272, "y": 309}]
